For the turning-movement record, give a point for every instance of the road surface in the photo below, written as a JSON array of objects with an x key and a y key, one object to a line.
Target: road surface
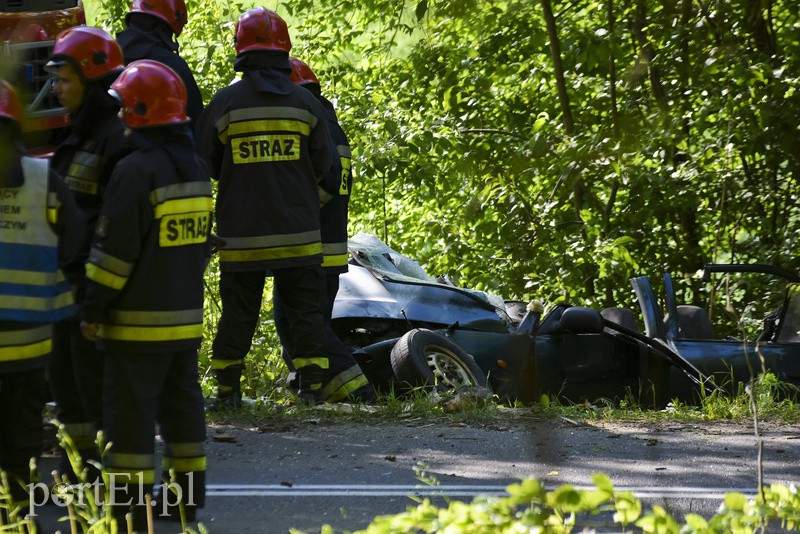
[{"x": 272, "y": 475}]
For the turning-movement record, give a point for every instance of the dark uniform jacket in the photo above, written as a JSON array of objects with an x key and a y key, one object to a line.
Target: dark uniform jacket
[
  {"x": 333, "y": 214},
  {"x": 81, "y": 160},
  {"x": 40, "y": 227},
  {"x": 270, "y": 152},
  {"x": 149, "y": 252},
  {"x": 157, "y": 44}
]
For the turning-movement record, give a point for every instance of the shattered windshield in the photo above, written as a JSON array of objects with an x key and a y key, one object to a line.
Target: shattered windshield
[{"x": 391, "y": 265}]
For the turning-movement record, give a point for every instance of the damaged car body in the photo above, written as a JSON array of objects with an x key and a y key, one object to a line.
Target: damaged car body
[
  {"x": 408, "y": 328},
  {"x": 725, "y": 359}
]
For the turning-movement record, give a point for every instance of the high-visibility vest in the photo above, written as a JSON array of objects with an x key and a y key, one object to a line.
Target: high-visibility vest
[{"x": 32, "y": 288}]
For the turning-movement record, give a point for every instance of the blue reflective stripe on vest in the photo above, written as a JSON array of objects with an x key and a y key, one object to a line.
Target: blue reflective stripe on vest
[{"x": 31, "y": 286}]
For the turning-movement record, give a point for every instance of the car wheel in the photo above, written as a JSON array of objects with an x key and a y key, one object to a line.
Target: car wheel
[{"x": 427, "y": 359}]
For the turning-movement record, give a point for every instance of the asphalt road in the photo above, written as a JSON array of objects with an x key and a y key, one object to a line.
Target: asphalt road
[{"x": 268, "y": 477}]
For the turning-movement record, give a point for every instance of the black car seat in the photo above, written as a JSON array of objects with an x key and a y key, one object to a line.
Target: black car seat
[
  {"x": 621, "y": 316},
  {"x": 693, "y": 323}
]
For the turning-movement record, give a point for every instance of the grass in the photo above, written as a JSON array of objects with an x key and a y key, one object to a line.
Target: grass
[{"x": 772, "y": 404}]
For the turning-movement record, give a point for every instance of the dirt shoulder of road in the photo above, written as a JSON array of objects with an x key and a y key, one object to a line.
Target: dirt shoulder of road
[{"x": 263, "y": 421}]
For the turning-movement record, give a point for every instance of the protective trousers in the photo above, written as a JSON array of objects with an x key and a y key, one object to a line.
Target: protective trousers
[
  {"x": 138, "y": 391},
  {"x": 343, "y": 378},
  {"x": 22, "y": 397},
  {"x": 300, "y": 289},
  {"x": 75, "y": 376}
]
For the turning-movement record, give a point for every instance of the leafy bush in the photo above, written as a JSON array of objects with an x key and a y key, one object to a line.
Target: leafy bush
[{"x": 530, "y": 508}]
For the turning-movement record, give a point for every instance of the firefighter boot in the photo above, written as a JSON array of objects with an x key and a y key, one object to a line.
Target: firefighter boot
[
  {"x": 229, "y": 395},
  {"x": 310, "y": 379}
]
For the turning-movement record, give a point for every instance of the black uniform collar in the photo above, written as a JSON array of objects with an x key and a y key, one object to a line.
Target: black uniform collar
[
  {"x": 137, "y": 40},
  {"x": 268, "y": 71},
  {"x": 97, "y": 108},
  {"x": 175, "y": 140}
]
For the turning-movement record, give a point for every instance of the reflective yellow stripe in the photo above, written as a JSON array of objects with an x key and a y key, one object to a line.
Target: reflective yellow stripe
[
  {"x": 103, "y": 277},
  {"x": 331, "y": 249},
  {"x": 150, "y": 333},
  {"x": 183, "y": 205},
  {"x": 344, "y": 384},
  {"x": 82, "y": 174},
  {"x": 38, "y": 303},
  {"x": 267, "y": 113},
  {"x": 184, "y": 465},
  {"x": 269, "y": 126},
  {"x": 185, "y": 450},
  {"x": 52, "y": 215},
  {"x": 129, "y": 476},
  {"x": 81, "y": 434},
  {"x": 299, "y": 363},
  {"x": 80, "y": 429},
  {"x": 346, "y": 390},
  {"x": 25, "y": 352},
  {"x": 224, "y": 364},
  {"x": 335, "y": 260},
  {"x": 262, "y": 114},
  {"x": 31, "y": 278},
  {"x": 86, "y": 159},
  {"x": 153, "y": 318},
  {"x": 267, "y": 241},
  {"x": 27, "y": 336},
  {"x": 181, "y": 190},
  {"x": 110, "y": 263},
  {"x": 130, "y": 461},
  {"x": 275, "y": 253}
]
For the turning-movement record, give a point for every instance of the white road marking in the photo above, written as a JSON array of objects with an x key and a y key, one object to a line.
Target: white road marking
[{"x": 387, "y": 490}]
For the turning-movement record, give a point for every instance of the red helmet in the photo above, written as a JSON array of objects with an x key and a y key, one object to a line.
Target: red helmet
[
  {"x": 261, "y": 29},
  {"x": 150, "y": 94},
  {"x": 173, "y": 12},
  {"x": 93, "y": 51},
  {"x": 10, "y": 105},
  {"x": 302, "y": 73}
]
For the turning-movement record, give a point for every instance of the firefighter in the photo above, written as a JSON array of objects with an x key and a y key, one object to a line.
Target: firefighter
[
  {"x": 333, "y": 227},
  {"x": 84, "y": 62},
  {"x": 151, "y": 32},
  {"x": 333, "y": 213},
  {"x": 40, "y": 227},
  {"x": 267, "y": 142},
  {"x": 144, "y": 298}
]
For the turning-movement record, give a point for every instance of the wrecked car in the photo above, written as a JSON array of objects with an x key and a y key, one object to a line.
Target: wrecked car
[
  {"x": 409, "y": 329},
  {"x": 728, "y": 358}
]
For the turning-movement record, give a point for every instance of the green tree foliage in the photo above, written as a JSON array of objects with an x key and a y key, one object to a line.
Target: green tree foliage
[
  {"x": 683, "y": 148},
  {"x": 680, "y": 146}
]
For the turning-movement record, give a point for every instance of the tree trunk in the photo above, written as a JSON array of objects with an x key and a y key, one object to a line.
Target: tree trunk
[
  {"x": 647, "y": 53},
  {"x": 758, "y": 26},
  {"x": 555, "y": 52},
  {"x": 578, "y": 187},
  {"x": 612, "y": 68}
]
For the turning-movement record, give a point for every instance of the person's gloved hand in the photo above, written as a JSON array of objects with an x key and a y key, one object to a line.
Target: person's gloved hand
[{"x": 89, "y": 330}]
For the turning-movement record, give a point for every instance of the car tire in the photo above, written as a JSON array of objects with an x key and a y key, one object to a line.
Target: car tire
[{"x": 422, "y": 358}]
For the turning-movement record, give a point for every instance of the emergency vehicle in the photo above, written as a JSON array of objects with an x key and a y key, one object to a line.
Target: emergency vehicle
[{"x": 28, "y": 29}]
